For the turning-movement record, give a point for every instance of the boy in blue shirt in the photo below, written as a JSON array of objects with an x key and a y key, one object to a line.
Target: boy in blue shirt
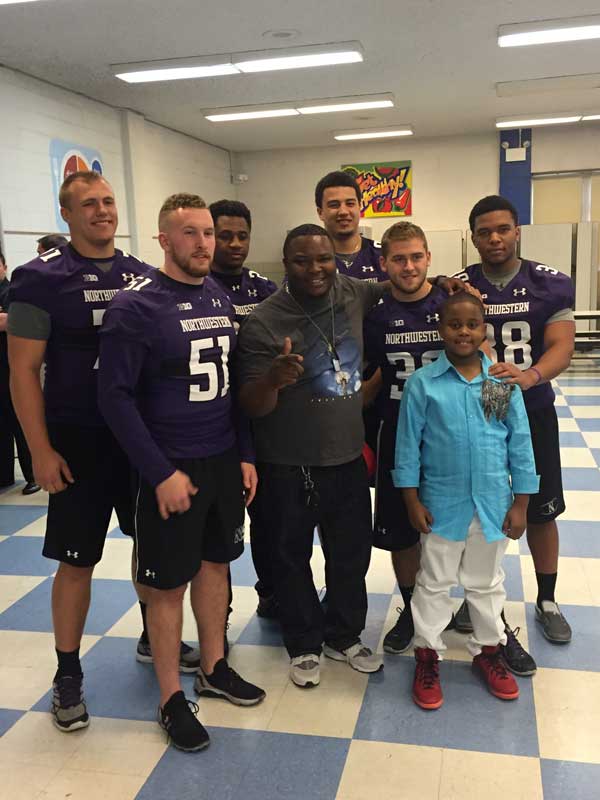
[{"x": 465, "y": 463}]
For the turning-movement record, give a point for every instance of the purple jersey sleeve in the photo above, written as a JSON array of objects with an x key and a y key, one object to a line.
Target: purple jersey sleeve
[
  {"x": 75, "y": 292},
  {"x": 246, "y": 291},
  {"x": 365, "y": 266},
  {"x": 516, "y": 317}
]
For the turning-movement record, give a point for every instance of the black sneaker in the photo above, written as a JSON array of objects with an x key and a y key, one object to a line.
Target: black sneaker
[
  {"x": 225, "y": 682},
  {"x": 514, "y": 655},
  {"x": 68, "y": 706},
  {"x": 178, "y": 719},
  {"x": 268, "y": 607},
  {"x": 189, "y": 657},
  {"x": 462, "y": 619},
  {"x": 398, "y": 638},
  {"x": 554, "y": 626}
]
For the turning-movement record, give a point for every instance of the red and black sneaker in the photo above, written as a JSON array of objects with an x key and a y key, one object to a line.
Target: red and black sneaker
[
  {"x": 427, "y": 690},
  {"x": 491, "y": 667}
]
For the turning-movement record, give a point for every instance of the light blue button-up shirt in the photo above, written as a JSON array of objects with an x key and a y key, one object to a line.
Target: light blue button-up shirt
[{"x": 461, "y": 462}]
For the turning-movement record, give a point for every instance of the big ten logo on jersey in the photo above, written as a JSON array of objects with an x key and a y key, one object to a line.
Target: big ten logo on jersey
[
  {"x": 510, "y": 342},
  {"x": 209, "y": 359},
  {"x": 406, "y": 364}
]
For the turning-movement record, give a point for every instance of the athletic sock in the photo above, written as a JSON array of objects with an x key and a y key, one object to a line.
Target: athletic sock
[
  {"x": 68, "y": 664},
  {"x": 406, "y": 592},
  {"x": 144, "y": 636},
  {"x": 546, "y": 584}
]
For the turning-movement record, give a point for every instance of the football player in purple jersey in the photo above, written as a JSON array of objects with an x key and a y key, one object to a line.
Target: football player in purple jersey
[
  {"x": 246, "y": 289},
  {"x": 401, "y": 335},
  {"x": 531, "y": 330},
  {"x": 164, "y": 389},
  {"x": 337, "y": 197},
  {"x": 57, "y": 304}
]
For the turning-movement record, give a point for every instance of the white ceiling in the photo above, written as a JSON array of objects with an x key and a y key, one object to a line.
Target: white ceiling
[{"x": 438, "y": 57}]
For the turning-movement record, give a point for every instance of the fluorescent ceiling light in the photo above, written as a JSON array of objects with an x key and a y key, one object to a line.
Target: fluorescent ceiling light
[
  {"x": 590, "y": 117},
  {"x": 349, "y": 105},
  {"x": 175, "y": 69},
  {"x": 14, "y": 2},
  {"x": 549, "y": 31},
  {"x": 264, "y": 114},
  {"x": 528, "y": 123},
  {"x": 299, "y": 57},
  {"x": 347, "y": 136}
]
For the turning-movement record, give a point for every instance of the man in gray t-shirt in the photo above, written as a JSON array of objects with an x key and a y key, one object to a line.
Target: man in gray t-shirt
[{"x": 299, "y": 367}]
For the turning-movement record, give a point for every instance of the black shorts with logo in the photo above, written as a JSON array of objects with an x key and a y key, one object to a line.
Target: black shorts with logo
[
  {"x": 549, "y": 503},
  {"x": 392, "y": 529},
  {"x": 79, "y": 516},
  {"x": 170, "y": 552}
]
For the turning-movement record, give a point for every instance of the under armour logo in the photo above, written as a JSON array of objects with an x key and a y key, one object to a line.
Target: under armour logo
[
  {"x": 150, "y": 574},
  {"x": 397, "y": 323},
  {"x": 72, "y": 555},
  {"x": 127, "y": 276},
  {"x": 368, "y": 269},
  {"x": 519, "y": 291},
  {"x": 551, "y": 507},
  {"x": 238, "y": 535},
  {"x": 484, "y": 296},
  {"x": 216, "y": 302},
  {"x": 433, "y": 317},
  {"x": 252, "y": 293},
  {"x": 236, "y": 287}
]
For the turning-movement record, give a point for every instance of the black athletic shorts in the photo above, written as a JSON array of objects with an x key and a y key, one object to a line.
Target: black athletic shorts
[
  {"x": 549, "y": 503},
  {"x": 79, "y": 516},
  {"x": 392, "y": 529},
  {"x": 170, "y": 552}
]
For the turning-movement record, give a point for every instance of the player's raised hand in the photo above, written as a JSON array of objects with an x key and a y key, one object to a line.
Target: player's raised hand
[
  {"x": 286, "y": 368},
  {"x": 173, "y": 494}
]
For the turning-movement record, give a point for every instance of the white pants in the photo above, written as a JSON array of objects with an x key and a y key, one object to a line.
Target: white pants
[{"x": 475, "y": 564}]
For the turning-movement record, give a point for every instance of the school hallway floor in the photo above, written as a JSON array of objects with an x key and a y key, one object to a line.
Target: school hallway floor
[{"x": 354, "y": 736}]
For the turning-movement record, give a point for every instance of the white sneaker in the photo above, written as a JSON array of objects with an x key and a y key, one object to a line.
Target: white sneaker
[
  {"x": 305, "y": 670},
  {"x": 359, "y": 656}
]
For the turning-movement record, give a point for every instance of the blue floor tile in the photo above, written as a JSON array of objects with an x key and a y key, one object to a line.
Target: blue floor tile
[
  {"x": 117, "y": 533},
  {"x": 376, "y": 614},
  {"x": 588, "y": 425},
  {"x": 562, "y": 779},
  {"x": 8, "y": 717},
  {"x": 110, "y": 600},
  {"x": 571, "y": 439},
  {"x": 14, "y": 518},
  {"x": 581, "y": 653},
  {"x": 126, "y": 691},
  {"x": 22, "y": 555},
  {"x": 237, "y": 763},
  {"x": 261, "y": 631},
  {"x": 596, "y": 453},
  {"x": 470, "y": 719},
  {"x": 577, "y": 539},
  {"x": 581, "y": 478},
  {"x": 513, "y": 582},
  {"x": 579, "y": 382},
  {"x": 575, "y": 400},
  {"x": 242, "y": 569},
  {"x": 563, "y": 411}
]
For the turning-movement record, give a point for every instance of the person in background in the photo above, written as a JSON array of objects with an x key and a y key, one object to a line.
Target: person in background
[
  {"x": 50, "y": 242},
  {"x": 10, "y": 430}
]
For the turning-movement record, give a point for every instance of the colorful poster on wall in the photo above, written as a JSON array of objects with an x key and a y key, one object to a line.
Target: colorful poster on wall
[
  {"x": 66, "y": 158},
  {"x": 386, "y": 188}
]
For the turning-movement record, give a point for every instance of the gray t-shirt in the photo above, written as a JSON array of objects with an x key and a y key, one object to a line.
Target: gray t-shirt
[{"x": 318, "y": 420}]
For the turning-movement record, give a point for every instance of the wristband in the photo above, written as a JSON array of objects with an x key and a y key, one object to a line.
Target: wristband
[{"x": 538, "y": 373}]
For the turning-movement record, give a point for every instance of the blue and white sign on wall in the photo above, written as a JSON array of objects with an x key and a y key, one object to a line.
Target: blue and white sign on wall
[{"x": 66, "y": 158}]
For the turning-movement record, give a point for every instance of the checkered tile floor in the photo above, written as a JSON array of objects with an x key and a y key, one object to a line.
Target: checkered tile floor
[{"x": 354, "y": 736}]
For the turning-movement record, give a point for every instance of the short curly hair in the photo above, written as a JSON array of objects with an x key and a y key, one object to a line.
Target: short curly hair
[{"x": 175, "y": 201}]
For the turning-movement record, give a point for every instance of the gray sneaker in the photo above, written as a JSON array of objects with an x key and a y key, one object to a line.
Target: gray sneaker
[
  {"x": 305, "y": 670},
  {"x": 68, "y": 707},
  {"x": 554, "y": 626},
  {"x": 359, "y": 656},
  {"x": 462, "y": 619}
]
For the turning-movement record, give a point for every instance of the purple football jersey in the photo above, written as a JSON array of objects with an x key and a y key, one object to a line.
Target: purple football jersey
[
  {"x": 164, "y": 372},
  {"x": 400, "y": 338},
  {"x": 365, "y": 266},
  {"x": 74, "y": 291},
  {"x": 245, "y": 291},
  {"x": 516, "y": 317}
]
